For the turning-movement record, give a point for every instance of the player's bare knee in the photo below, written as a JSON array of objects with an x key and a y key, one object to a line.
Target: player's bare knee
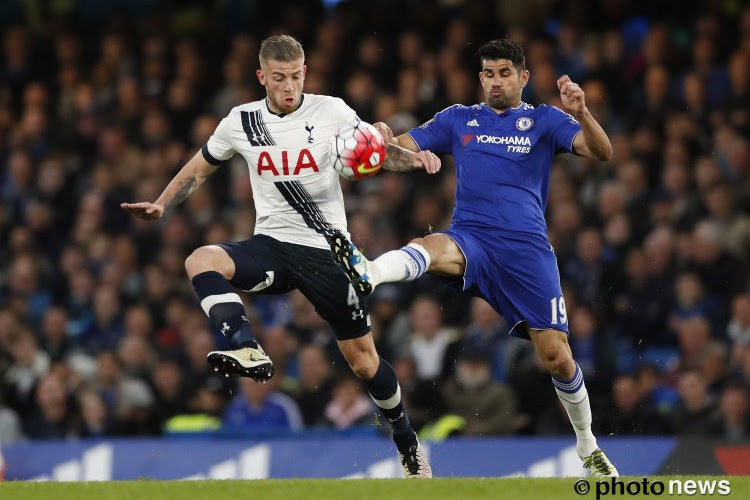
[
  {"x": 560, "y": 364},
  {"x": 364, "y": 365},
  {"x": 208, "y": 258}
]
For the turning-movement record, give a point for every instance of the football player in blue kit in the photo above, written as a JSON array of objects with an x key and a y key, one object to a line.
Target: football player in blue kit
[{"x": 497, "y": 243}]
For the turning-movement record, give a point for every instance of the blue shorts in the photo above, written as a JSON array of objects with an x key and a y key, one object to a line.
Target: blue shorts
[{"x": 517, "y": 274}]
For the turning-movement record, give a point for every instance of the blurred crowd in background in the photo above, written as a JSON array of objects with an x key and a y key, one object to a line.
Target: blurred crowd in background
[{"x": 102, "y": 102}]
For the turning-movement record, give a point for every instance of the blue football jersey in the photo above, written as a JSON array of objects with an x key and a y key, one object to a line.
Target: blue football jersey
[{"x": 502, "y": 161}]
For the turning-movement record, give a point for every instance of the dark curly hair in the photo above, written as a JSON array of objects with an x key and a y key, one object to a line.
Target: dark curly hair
[{"x": 503, "y": 48}]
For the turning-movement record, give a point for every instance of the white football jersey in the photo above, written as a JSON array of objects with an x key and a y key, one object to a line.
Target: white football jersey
[{"x": 297, "y": 194}]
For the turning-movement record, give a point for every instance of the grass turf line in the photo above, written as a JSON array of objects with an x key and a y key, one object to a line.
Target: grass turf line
[{"x": 335, "y": 489}]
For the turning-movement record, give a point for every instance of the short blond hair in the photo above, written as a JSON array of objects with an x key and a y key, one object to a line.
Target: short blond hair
[{"x": 280, "y": 48}]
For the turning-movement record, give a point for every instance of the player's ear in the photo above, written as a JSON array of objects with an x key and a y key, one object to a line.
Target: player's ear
[
  {"x": 261, "y": 76},
  {"x": 304, "y": 69},
  {"x": 525, "y": 75}
]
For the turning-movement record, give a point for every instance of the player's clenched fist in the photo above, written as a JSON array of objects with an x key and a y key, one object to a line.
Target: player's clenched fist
[{"x": 571, "y": 94}]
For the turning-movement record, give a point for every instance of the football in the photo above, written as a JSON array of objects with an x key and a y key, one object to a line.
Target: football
[{"x": 358, "y": 151}]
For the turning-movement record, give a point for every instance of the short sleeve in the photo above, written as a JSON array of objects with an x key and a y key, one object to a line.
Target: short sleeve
[
  {"x": 343, "y": 114},
  {"x": 219, "y": 146},
  {"x": 563, "y": 129},
  {"x": 435, "y": 134}
]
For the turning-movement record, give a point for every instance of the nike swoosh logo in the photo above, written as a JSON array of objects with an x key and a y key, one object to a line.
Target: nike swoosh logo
[{"x": 364, "y": 169}]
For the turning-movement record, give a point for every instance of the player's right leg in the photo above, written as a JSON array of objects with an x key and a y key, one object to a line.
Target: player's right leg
[
  {"x": 336, "y": 301},
  {"x": 554, "y": 352},
  {"x": 210, "y": 268},
  {"x": 436, "y": 253}
]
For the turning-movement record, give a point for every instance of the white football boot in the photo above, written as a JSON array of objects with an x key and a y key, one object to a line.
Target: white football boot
[{"x": 243, "y": 362}]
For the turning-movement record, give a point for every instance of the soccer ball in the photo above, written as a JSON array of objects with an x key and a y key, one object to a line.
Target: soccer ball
[{"x": 358, "y": 151}]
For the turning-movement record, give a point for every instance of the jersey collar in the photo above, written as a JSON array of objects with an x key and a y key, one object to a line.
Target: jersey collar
[{"x": 282, "y": 115}]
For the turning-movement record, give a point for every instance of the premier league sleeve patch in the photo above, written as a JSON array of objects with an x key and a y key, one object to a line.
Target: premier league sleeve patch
[{"x": 524, "y": 123}]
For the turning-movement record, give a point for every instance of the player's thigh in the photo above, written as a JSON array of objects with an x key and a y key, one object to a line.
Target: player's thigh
[
  {"x": 446, "y": 258},
  {"x": 260, "y": 265},
  {"x": 331, "y": 293},
  {"x": 525, "y": 269}
]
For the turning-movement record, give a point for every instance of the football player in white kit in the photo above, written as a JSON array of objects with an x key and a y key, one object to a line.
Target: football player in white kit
[{"x": 285, "y": 139}]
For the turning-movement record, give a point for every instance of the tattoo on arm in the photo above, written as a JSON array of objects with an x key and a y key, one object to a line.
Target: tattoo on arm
[
  {"x": 398, "y": 159},
  {"x": 186, "y": 190}
]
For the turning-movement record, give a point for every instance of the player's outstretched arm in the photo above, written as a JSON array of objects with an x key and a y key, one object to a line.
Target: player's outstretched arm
[
  {"x": 592, "y": 141},
  {"x": 187, "y": 180},
  {"x": 404, "y": 154}
]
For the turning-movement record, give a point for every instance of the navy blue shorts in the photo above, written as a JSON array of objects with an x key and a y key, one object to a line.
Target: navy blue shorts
[
  {"x": 310, "y": 270},
  {"x": 517, "y": 274}
]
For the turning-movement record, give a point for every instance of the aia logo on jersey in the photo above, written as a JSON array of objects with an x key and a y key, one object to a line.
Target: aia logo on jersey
[{"x": 304, "y": 160}]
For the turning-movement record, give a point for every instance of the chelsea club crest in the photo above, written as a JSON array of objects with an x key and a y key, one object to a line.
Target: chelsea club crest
[{"x": 524, "y": 123}]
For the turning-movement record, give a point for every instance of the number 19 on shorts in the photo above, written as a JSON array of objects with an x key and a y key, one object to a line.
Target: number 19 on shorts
[{"x": 559, "y": 314}]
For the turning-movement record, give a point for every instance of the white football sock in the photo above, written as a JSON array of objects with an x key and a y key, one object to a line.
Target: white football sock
[
  {"x": 575, "y": 399},
  {"x": 405, "y": 264}
]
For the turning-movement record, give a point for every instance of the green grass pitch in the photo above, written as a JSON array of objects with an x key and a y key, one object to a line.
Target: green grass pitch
[{"x": 338, "y": 489}]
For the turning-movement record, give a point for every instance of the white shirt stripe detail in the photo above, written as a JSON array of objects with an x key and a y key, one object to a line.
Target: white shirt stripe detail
[
  {"x": 212, "y": 300},
  {"x": 390, "y": 403}
]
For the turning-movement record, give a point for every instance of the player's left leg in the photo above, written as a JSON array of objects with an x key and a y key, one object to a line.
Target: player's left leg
[
  {"x": 383, "y": 387},
  {"x": 554, "y": 351}
]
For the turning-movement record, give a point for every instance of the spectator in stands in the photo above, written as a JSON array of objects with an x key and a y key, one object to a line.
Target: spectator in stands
[
  {"x": 738, "y": 329},
  {"x": 349, "y": 406},
  {"x": 314, "y": 387},
  {"x": 129, "y": 400},
  {"x": 429, "y": 340},
  {"x": 169, "y": 389},
  {"x": 30, "y": 365},
  {"x": 487, "y": 406},
  {"x": 10, "y": 426},
  {"x": 691, "y": 300},
  {"x": 594, "y": 349},
  {"x": 714, "y": 365},
  {"x": 720, "y": 273},
  {"x": 107, "y": 328},
  {"x": 259, "y": 408},
  {"x": 629, "y": 413},
  {"x": 656, "y": 395},
  {"x": 53, "y": 418},
  {"x": 488, "y": 332},
  {"x": 695, "y": 408},
  {"x": 693, "y": 336},
  {"x": 732, "y": 420},
  {"x": 96, "y": 419},
  {"x": 54, "y": 339},
  {"x": 641, "y": 307}
]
